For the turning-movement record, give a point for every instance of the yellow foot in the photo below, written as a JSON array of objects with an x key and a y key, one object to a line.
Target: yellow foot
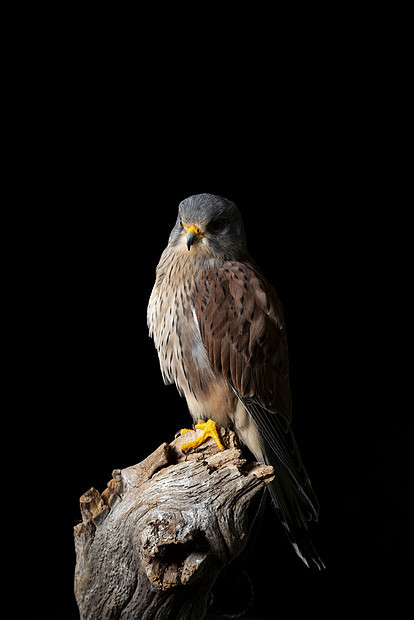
[{"x": 209, "y": 430}]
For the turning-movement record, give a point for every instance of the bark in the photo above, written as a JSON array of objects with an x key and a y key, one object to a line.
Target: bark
[{"x": 153, "y": 543}]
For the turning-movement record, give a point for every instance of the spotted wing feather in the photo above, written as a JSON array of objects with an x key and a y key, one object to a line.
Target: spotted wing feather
[
  {"x": 244, "y": 333},
  {"x": 242, "y": 327}
]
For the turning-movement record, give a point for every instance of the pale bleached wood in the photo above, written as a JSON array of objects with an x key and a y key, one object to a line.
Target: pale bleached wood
[{"x": 152, "y": 544}]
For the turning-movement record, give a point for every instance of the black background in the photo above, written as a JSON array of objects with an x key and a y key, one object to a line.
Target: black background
[{"x": 107, "y": 155}]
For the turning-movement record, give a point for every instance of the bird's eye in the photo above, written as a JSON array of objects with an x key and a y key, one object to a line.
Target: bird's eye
[
  {"x": 181, "y": 223},
  {"x": 216, "y": 225}
]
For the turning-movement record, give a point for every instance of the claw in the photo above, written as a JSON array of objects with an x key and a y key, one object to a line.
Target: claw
[{"x": 209, "y": 429}]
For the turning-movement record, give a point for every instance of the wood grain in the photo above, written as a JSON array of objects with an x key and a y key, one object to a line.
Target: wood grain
[{"x": 153, "y": 543}]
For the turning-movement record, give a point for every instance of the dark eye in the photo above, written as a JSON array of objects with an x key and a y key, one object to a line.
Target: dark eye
[
  {"x": 181, "y": 222},
  {"x": 216, "y": 225}
]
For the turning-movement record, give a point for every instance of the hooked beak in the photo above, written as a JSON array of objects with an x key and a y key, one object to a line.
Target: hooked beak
[{"x": 193, "y": 234}]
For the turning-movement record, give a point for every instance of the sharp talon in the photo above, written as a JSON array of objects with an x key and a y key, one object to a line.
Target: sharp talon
[{"x": 209, "y": 429}]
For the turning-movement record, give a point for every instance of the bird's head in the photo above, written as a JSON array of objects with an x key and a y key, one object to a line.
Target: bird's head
[{"x": 210, "y": 226}]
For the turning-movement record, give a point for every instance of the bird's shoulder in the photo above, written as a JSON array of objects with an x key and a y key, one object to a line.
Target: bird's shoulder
[{"x": 240, "y": 291}]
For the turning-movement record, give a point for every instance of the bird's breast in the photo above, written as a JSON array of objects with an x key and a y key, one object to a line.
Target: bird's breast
[
  {"x": 183, "y": 358},
  {"x": 173, "y": 325}
]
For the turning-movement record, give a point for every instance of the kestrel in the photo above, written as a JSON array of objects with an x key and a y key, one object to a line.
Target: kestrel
[{"x": 219, "y": 330}]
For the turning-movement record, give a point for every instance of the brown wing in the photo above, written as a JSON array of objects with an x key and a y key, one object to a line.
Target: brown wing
[{"x": 241, "y": 322}]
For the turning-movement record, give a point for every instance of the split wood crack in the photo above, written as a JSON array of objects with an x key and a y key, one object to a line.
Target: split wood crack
[{"x": 153, "y": 543}]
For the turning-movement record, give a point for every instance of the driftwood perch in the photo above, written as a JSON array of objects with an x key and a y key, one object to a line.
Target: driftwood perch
[{"x": 153, "y": 543}]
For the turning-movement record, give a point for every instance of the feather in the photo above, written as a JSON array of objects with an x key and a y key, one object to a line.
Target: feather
[
  {"x": 241, "y": 314},
  {"x": 245, "y": 338}
]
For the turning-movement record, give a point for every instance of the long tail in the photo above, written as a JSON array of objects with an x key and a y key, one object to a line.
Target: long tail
[
  {"x": 291, "y": 489},
  {"x": 295, "y": 511}
]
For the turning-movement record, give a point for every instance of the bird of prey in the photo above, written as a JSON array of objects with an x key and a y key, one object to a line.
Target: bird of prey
[{"x": 219, "y": 330}]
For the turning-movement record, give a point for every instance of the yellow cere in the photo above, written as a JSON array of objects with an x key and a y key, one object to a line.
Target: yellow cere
[{"x": 194, "y": 229}]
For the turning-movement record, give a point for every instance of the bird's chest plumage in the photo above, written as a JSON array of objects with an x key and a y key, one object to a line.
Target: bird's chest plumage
[
  {"x": 173, "y": 325},
  {"x": 182, "y": 355}
]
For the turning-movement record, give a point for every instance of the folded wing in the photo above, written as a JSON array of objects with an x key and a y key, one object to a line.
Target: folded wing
[{"x": 241, "y": 323}]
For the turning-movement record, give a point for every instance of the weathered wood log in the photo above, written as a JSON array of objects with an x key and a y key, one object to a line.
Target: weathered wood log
[{"x": 153, "y": 543}]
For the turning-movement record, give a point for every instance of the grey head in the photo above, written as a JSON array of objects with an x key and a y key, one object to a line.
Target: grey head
[{"x": 210, "y": 226}]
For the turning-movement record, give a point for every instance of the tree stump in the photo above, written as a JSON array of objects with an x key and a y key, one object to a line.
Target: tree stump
[{"x": 153, "y": 543}]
